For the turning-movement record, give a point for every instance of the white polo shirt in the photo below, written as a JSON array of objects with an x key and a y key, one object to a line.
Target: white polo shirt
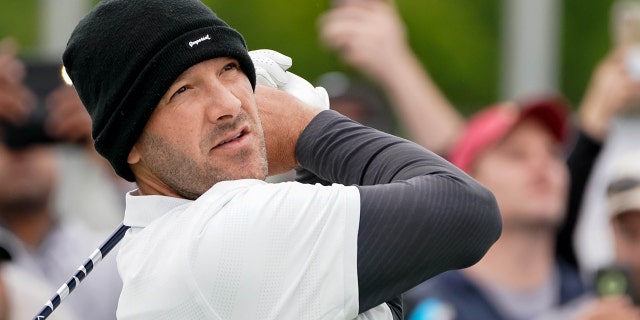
[{"x": 245, "y": 249}]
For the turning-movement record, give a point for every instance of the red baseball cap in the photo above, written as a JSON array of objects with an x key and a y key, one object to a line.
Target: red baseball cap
[{"x": 491, "y": 124}]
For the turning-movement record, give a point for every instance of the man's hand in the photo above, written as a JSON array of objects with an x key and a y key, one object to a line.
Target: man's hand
[
  {"x": 16, "y": 100},
  {"x": 283, "y": 118},
  {"x": 271, "y": 71},
  {"x": 612, "y": 91},
  {"x": 366, "y": 34}
]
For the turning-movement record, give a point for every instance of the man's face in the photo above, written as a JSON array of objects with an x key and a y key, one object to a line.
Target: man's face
[
  {"x": 27, "y": 177},
  {"x": 205, "y": 129},
  {"x": 528, "y": 176},
  {"x": 626, "y": 231}
]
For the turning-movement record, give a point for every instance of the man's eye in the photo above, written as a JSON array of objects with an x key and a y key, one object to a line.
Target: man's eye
[
  {"x": 179, "y": 91},
  {"x": 231, "y": 66}
]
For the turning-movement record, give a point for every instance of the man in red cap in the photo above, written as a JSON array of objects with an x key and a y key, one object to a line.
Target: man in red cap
[{"x": 515, "y": 150}]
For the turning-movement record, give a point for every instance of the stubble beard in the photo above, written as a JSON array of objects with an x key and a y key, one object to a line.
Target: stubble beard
[{"x": 189, "y": 178}]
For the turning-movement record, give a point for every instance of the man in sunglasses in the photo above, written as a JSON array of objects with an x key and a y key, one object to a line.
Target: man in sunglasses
[{"x": 623, "y": 195}]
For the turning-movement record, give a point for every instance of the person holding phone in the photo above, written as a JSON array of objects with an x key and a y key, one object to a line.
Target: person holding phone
[
  {"x": 370, "y": 35},
  {"x": 623, "y": 206},
  {"x": 48, "y": 243}
]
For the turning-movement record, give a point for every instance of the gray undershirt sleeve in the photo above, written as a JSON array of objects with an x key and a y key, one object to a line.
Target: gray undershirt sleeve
[{"x": 420, "y": 215}]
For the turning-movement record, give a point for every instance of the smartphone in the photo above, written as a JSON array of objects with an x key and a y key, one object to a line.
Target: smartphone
[
  {"x": 27, "y": 134},
  {"x": 615, "y": 280},
  {"x": 625, "y": 29},
  {"x": 42, "y": 78}
]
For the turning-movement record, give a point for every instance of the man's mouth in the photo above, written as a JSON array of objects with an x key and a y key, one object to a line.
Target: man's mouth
[
  {"x": 233, "y": 138},
  {"x": 240, "y": 134}
]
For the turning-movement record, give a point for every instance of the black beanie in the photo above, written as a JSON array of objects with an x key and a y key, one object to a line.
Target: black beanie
[{"x": 123, "y": 56}]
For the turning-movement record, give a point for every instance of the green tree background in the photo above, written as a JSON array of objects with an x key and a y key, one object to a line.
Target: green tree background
[{"x": 458, "y": 41}]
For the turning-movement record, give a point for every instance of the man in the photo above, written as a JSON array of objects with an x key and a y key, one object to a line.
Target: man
[
  {"x": 515, "y": 150},
  {"x": 171, "y": 92},
  {"x": 46, "y": 247},
  {"x": 50, "y": 246},
  {"x": 35, "y": 91},
  {"x": 623, "y": 195},
  {"x": 618, "y": 283}
]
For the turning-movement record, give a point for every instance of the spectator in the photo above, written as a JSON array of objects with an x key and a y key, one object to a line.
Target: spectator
[
  {"x": 612, "y": 85},
  {"x": 610, "y": 93},
  {"x": 516, "y": 151},
  {"x": 50, "y": 247},
  {"x": 37, "y": 87},
  {"x": 623, "y": 195}
]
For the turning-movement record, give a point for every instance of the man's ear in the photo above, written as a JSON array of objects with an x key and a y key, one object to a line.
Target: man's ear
[{"x": 134, "y": 155}]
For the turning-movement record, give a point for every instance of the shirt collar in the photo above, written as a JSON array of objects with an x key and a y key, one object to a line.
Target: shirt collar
[{"x": 140, "y": 211}]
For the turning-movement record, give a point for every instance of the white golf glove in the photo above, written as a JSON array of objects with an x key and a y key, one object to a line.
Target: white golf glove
[{"x": 271, "y": 70}]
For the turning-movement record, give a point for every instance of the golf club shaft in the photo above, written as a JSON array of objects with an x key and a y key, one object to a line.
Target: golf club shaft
[{"x": 83, "y": 271}]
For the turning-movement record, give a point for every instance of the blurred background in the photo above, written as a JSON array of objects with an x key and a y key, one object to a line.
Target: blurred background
[{"x": 476, "y": 51}]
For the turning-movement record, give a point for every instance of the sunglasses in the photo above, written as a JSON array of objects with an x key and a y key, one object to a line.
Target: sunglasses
[{"x": 622, "y": 185}]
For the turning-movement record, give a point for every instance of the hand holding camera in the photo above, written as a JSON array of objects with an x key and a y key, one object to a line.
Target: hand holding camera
[
  {"x": 16, "y": 100},
  {"x": 67, "y": 119},
  {"x": 625, "y": 29},
  {"x": 26, "y": 120}
]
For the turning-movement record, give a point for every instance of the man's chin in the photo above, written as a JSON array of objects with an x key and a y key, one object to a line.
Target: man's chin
[
  {"x": 256, "y": 172},
  {"x": 251, "y": 175}
]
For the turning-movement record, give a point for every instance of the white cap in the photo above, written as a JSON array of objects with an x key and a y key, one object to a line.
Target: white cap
[
  {"x": 621, "y": 201},
  {"x": 623, "y": 192}
]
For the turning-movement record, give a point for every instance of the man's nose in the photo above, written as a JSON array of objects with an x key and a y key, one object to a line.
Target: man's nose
[{"x": 222, "y": 104}]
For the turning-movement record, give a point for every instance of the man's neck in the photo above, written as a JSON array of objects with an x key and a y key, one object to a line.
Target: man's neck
[{"x": 519, "y": 260}]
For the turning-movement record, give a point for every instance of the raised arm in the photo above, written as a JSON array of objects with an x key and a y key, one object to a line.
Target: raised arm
[
  {"x": 420, "y": 215},
  {"x": 371, "y": 36},
  {"x": 612, "y": 91}
]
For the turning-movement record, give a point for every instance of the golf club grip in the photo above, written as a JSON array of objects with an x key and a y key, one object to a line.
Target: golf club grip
[{"x": 83, "y": 271}]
